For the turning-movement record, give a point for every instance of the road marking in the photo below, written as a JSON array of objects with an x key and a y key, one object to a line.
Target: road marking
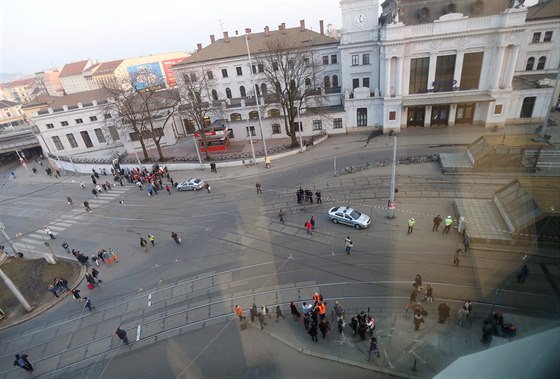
[
  {"x": 149, "y": 300},
  {"x": 138, "y": 331}
]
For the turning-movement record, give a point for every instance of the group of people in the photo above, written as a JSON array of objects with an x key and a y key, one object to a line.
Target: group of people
[
  {"x": 59, "y": 285},
  {"x": 307, "y": 196}
]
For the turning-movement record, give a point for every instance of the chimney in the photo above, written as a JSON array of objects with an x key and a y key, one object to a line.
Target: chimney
[
  {"x": 226, "y": 37},
  {"x": 321, "y": 27},
  {"x": 302, "y": 25},
  {"x": 247, "y": 30},
  {"x": 237, "y": 32},
  {"x": 212, "y": 38},
  {"x": 283, "y": 28},
  {"x": 266, "y": 31},
  {"x": 198, "y": 46}
]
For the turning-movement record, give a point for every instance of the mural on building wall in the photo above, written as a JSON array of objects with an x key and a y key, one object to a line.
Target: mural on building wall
[
  {"x": 168, "y": 70},
  {"x": 147, "y": 75}
]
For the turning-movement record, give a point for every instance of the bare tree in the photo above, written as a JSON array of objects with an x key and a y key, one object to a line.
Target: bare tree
[{"x": 290, "y": 73}]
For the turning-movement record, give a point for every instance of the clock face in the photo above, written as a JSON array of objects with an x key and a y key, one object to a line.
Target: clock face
[{"x": 360, "y": 20}]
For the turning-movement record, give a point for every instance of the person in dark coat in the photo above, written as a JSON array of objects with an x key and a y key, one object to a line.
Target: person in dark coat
[
  {"x": 443, "y": 310},
  {"x": 294, "y": 311},
  {"x": 324, "y": 327},
  {"x": 121, "y": 333},
  {"x": 313, "y": 332},
  {"x": 23, "y": 362}
]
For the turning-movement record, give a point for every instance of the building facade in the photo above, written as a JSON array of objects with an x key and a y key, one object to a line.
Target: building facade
[{"x": 11, "y": 116}]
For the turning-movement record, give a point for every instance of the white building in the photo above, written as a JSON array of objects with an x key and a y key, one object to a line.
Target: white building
[{"x": 77, "y": 77}]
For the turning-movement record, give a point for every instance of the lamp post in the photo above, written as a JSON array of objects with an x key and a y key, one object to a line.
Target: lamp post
[
  {"x": 391, "y": 204},
  {"x": 251, "y": 140},
  {"x": 299, "y": 128},
  {"x": 196, "y": 148}
]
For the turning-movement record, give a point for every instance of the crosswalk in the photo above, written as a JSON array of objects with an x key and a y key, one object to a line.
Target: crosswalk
[{"x": 32, "y": 244}]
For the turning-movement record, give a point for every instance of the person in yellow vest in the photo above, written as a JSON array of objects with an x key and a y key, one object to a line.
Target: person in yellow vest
[
  {"x": 411, "y": 224},
  {"x": 267, "y": 161},
  {"x": 448, "y": 222}
]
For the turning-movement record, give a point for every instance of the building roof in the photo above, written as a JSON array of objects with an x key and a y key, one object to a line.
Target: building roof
[
  {"x": 71, "y": 99},
  {"x": 108, "y": 67},
  {"x": 75, "y": 68},
  {"x": 8, "y": 103},
  {"x": 544, "y": 10},
  {"x": 236, "y": 47},
  {"x": 19, "y": 82}
]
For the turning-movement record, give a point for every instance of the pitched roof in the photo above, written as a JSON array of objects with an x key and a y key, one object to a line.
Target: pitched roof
[
  {"x": 75, "y": 68},
  {"x": 544, "y": 10},
  {"x": 73, "y": 99},
  {"x": 19, "y": 82},
  {"x": 108, "y": 67},
  {"x": 7, "y": 103},
  {"x": 236, "y": 47}
]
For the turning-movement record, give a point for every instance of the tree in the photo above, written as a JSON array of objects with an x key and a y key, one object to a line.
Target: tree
[
  {"x": 290, "y": 72},
  {"x": 196, "y": 87}
]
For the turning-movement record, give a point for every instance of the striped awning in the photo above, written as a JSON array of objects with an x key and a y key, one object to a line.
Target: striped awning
[{"x": 453, "y": 98}]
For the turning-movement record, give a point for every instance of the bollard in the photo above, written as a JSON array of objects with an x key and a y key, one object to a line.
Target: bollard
[{"x": 414, "y": 367}]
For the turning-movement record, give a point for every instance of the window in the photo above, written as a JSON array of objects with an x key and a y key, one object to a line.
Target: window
[
  {"x": 99, "y": 135},
  {"x": 239, "y": 71},
  {"x": 536, "y": 37},
  {"x": 254, "y": 69},
  {"x": 527, "y": 107},
  {"x": 252, "y": 129},
  {"x": 530, "y": 64},
  {"x": 107, "y": 116},
  {"x": 242, "y": 91},
  {"x": 365, "y": 82},
  {"x": 114, "y": 133},
  {"x": 57, "y": 143},
  {"x": 335, "y": 81},
  {"x": 498, "y": 109},
  {"x": 419, "y": 68},
  {"x": 209, "y": 75},
  {"x": 325, "y": 59},
  {"x": 472, "y": 65},
  {"x": 355, "y": 60},
  {"x": 306, "y": 62},
  {"x": 50, "y": 126},
  {"x": 362, "y": 116},
  {"x": 290, "y": 64},
  {"x": 253, "y": 115},
  {"x": 273, "y": 113},
  {"x": 64, "y": 123},
  {"x": 235, "y": 117},
  {"x": 355, "y": 83},
  {"x": 317, "y": 125},
  {"x": 264, "y": 90},
  {"x": 542, "y": 62},
  {"x": 276, "y": 129},
  {"x": 337, "y": 123},
  {"x": 365, "y": 58},
  {"x": 71, "y": 140},
  {"x": 392, "y": 116},
  {"x": 307, "y": 82},
  {"x": 79, "y": 121},
  {"x": 334, "y": 59},
  {"x": 228, "y": 93},
  {"x": 214, "y": 94},
  {"x": 327, "y": 81},
  {"x": 260, "y": 67},
  {"x": 86, "y": 138},
  {"x": 275, "y": 66},
  {"x": 224, "y": 73},
  {"x": 93, "y": 118},
  {"x": 547, "y": 37},
  {"x": 445, "y": 69}
]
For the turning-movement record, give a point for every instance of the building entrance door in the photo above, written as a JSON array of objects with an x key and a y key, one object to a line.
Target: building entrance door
[
  {"x": 465, "y": 113},
  {"x": 440, "y": 115},
  {"x": 415, "y": 116}
]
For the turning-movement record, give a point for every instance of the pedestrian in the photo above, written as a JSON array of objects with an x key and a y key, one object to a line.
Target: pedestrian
[
  {"x": 437, "y": 221},
  {"x": 313, "y": 332},
  {"x": 94, "y": 192},
  {"x": 456, "y": 259},
  {"x": 294, "y": 311},
  {"x": 52, "y": 289},
  {"x": 90, "y": 280},
  {"x": 82, "y": 185},
  {"x": 444, "y": 312},
  {"x": 411, "y": 224},
  {"x": 373, "y": 347},
  {"x": 121, "y": 333},
  {"x": 312, "y": 221},
  {"x": 262, "y": 321},
  {"x": 341, "y": 325},
  {"x": 239, "y": 312},
  {"x": 322, "y": 309},
  {"x": 168, "y": 189},
  {"x": 107, "y": 258},
  {"x": 305, "y": 310},
  {"x": 349, "y": 244},
  {"x": 104, "y": 187},
  {"x": 259, "y": 187},
  {"x": 49, "y": 233},
  {"x": 86, "y": 206},
  {"x": 95, "y": 275},
  {"x": 308, "y": 227},
  {"x": 318, "y": 195},
  {"x": 448, "y": 223},
  {"x": 281, "y": 216},
  {"x": 467, "y": 242},
  {"x": 171, "y": 181},
  {"x": 208, "y": 188},
  {"x": 523, "y": 274},
  {"x": 429, "y": 294},
  {"x": 324, "y": 327},
  {"x": 253, "y": 312},
  {"x": 279, "y": 313},
  {"x": 64, "y": 284},
  {"x": 114, "y": 255},
  {"x": 95, "y": 260},
  {"x": 418, "y": 319},
  {"x": 23, "y": 362},
  {"x": 76, "y": 295},
  {"x": 152, "y": 239},
  {"x": 338, "y": 310},
  {"x": 487, "y": 332},
  {"x": 88, "y": 303},
  {"x": 144, "y": 244},
  {"x": 411, "y": 301},
  {"x": 213, "y": 167}
]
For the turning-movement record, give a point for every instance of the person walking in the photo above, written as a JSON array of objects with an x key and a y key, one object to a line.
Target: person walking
[
  {"x": 144, "y": 244},
  {"x": 418, "y": 319},
  {"x": 318, "y": 196},
  {"x": 294, "y": 311},
  {"x": 411, "y": 224},
  {"x": 95, "y": 275},
  {"x": 309, "y": 227},
  {"x": 444, "y": 312},
  {"x": 313, "y": 332},
  {"x": 349, "y": 244},
  {"x": 82, "y": 185},
  {"x": 49, "y": 233},
  {"x": 94, "y": 192},
  {"x": 279, "y": 313},
  {"x": 23, "y": 362},
  {"x": 448, "y": 223},
  {"x": 437, "y": 221},
  {"x": 52, "y": 289},
  {"x": 114, "y": 255},
  {"x": 121, "y": 333},
  {"x": 281, "y": 216},
  {"x": 312, "y": 221},
  {"x": 88, "y": 304},
  {"x": 523, "y": 274},
  {"x": 456, "y": 259},
  {"x": 429, "y": 294},
  {"x": 76, "y": 295},
  {"x": 86, "y": 206},
  {"x": 260, "y": 315},
  {"x": 373, "y": 348},
  {"x": 259, "y": 187},
  {"x": 239, "y": 312},
  {"x": 168, "y": 189},
  {"x": 338, "y": 310},
  {"x": 152, "y": 239},
  {"x": 324, "y": 327},
  {"x": 467, "y": 242},
  {"x": 213, "y": 168}
]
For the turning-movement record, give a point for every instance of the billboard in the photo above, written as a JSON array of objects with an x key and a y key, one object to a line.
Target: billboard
[
  {"x": 146, "y": 76},
  {"x": 167, "y": 69}
]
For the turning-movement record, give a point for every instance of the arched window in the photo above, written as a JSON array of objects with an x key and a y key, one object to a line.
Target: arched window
[
  {"x": 264, "y": 90},
  {"x": 257, "y": 90},
  {"x": 214, "y": 94},
  {"x": 278, "y": 87},
  {"x": 307, "y": 82},
  {"x": 335, "y": 81},
  {"x": 242, "y": 91},
  {"x": 273, "y": 113},
  {"x": 292, "y": 85},
  {"x": 235, "y": 117},
  {"x": 327, "y": 81},
  {"x": 530, "y": 64},
  {"x": 253, "y": 115},
  {"x": 228, "y": 93},
  {"x": 542, "y": 62}
]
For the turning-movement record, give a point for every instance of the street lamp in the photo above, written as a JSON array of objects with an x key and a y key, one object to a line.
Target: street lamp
[
  {"x": 299, "y": 128},
  {"x": 391, "y": 204}
]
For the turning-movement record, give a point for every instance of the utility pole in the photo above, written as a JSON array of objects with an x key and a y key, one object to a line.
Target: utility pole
[
  {"x": 12, "y": 287},
  {"x": 256, "y": 95},
  {"x": 391, "y": 203}
]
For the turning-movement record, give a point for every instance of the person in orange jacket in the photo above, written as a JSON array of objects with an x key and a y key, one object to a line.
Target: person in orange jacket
[{"x": 239, "y": 312}]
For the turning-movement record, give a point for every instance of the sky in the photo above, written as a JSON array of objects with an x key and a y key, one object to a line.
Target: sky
[{"x": 37, "y": 35}]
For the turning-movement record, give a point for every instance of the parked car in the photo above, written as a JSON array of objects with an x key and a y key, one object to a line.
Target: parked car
[
  {"x": 349, "y": 216},
  {"x": 191, "y": 185}
]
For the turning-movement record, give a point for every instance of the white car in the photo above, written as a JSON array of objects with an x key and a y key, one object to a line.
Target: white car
[
  {"x": 349, "y": 216},
  {"x": 191, "y": 185}
]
